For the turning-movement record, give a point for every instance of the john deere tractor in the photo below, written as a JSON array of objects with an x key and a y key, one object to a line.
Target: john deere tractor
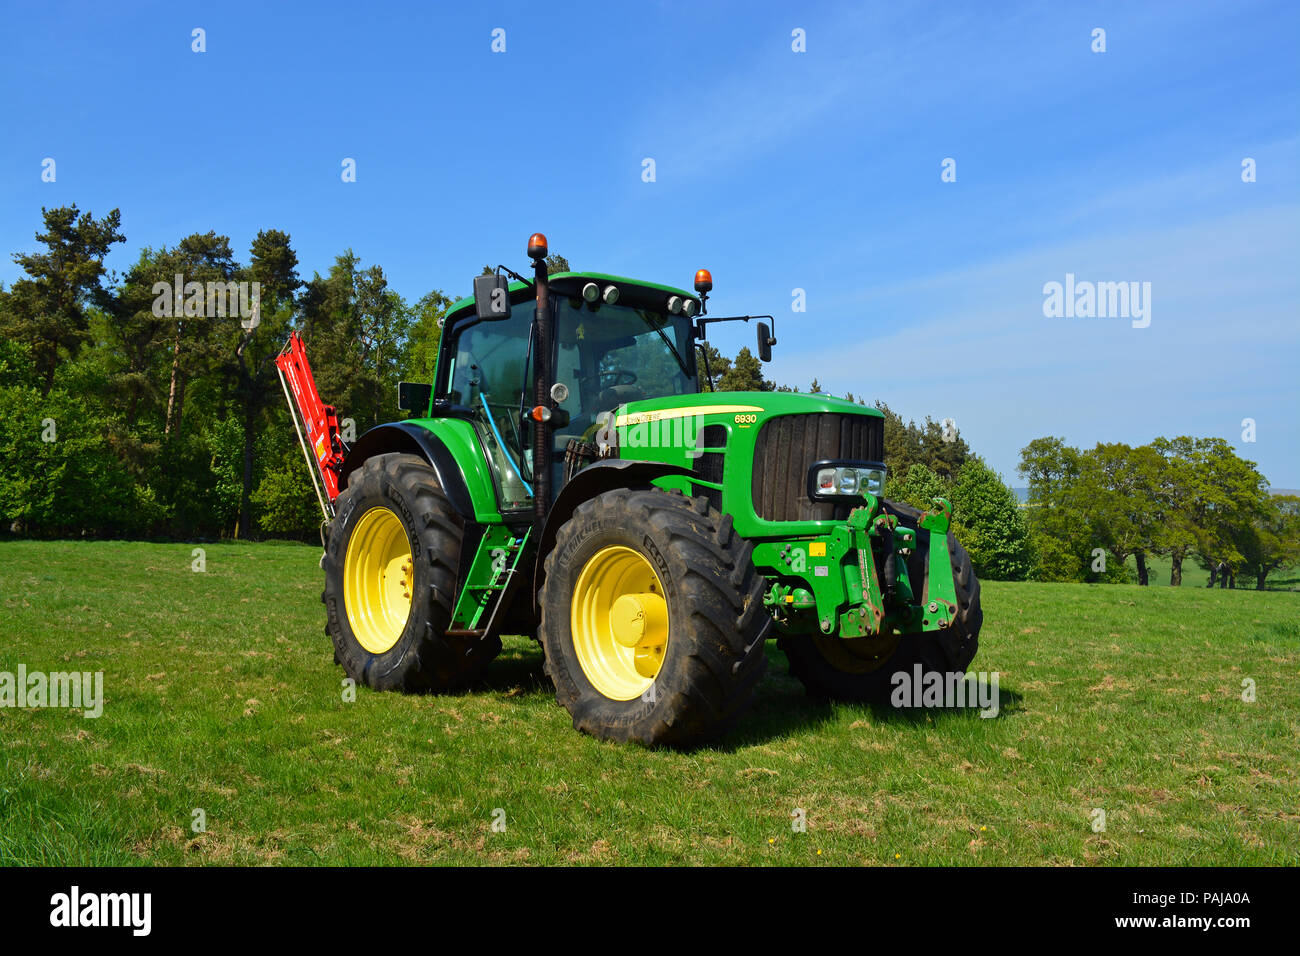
[{"x": 564, "y": 476}]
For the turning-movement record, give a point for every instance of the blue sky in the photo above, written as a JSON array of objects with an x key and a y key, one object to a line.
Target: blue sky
[{"x": 775, "y": 169}]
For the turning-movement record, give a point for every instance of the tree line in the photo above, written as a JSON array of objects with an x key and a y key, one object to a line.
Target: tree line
[
  {"x": 121, "y": 419},
  {"x": 1182, "y": 498}
]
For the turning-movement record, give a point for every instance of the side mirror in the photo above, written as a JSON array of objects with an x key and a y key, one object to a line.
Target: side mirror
[
  {"x": 492, "y": 297},
  {"x": 414, "y": 397},
  {"x": 765, "y": 342}
]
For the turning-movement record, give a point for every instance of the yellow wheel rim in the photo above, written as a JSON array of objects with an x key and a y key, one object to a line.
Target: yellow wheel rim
[
  {"x": 856, "y": 655},
  {"x": 378, "y": 575},
  {"x": 619, "y": 622}
]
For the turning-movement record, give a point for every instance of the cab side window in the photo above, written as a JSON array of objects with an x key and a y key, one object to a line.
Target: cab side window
[{"x": 489, "y": 376}]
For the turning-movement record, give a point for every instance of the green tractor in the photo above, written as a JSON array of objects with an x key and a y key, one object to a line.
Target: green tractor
[{"x": 565, "y": 477}]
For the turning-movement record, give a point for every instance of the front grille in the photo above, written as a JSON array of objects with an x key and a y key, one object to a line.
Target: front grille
[
  {"x": 787, "y": 447},
  {"x": 710, "y": 463}
]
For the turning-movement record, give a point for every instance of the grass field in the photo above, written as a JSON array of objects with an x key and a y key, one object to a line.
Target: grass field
[{"x": 221, "y": 695}]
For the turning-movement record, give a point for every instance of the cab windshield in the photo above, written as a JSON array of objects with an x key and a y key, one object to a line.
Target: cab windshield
[
  {"x": 609, "y": 355},
  {"x": 605, "y": 355}
]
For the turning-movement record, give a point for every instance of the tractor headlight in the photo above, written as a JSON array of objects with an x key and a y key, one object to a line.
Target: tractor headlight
[{"x": 829, "y": 480}]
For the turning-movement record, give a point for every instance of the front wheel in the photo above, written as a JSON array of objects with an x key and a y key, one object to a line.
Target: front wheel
[{"x": 652, "y": 618}]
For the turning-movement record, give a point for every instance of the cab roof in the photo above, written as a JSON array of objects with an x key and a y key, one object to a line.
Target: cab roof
[{"x": 571, "y": 283}]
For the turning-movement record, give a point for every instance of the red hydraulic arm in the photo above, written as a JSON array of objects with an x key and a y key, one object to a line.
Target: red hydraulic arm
[{"x": 317, "y": 424}]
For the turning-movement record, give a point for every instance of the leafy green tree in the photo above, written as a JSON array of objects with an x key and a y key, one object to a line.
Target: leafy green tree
[
  {"x": 940, "y": 448},
  {"x": 744, "y": 375},
  {"x": 987, "y": 516},
  {"x": 1272, "y": 541},
  {"x": 205, "y": 258},
  {"x": 273, "y": 265},
  {"x": 1178, "y": 534},
  {"x": 356, "y": 330},
  {"x": 1057, "y": 513},
  {"x": 943, "y": 447},
  {"x": 425, "y": 336},
  {"x": 47, "y": 308},
  {"x": 1206, "y": 494},
  {"x": 135, "y": 346},
  {"x": 223, "y": 441},
  {"x": 138, "y": 333},
  {"x": 285, "y": 501},
  {"x": 902, "y": 443},
  {"x": 1179, "y": 497},
  {"x": 58, "y": 474},
  {"x": 1121, "y": 482},
  {"x": 990, "y": 524},
  {"x": 16, "y": 366},
  {"x": 918, "y": 486}
]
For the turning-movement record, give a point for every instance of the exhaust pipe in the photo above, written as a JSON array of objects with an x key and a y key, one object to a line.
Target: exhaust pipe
[{"x": 541, "y": 383}]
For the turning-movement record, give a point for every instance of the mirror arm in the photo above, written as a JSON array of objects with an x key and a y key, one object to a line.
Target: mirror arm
[
  {"x": 515, "y": 275},
  {"x": 702, "y": 323},
  {"x": 701, "y": 330}
]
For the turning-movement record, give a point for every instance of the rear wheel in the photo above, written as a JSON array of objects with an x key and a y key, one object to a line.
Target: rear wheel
[
  {"x": 652, "y": 617},
  {"x": 390, "y": 574},
  {"x": 863, "y": 668}
]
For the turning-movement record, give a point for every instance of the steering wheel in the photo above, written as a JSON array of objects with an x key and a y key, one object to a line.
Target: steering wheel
[{"x": 617, "y": 376}]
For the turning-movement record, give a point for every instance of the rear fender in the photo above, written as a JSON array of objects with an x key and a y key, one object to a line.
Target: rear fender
[{"x": 464, "y": 477}]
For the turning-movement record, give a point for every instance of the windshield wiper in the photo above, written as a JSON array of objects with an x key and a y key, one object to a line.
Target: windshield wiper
[{"x": 681, "y": 362}]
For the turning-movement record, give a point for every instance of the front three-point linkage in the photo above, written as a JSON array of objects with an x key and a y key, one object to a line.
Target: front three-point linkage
[{"x": 890, "y": 599}]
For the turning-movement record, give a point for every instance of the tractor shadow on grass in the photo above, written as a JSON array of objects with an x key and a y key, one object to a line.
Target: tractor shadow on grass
[
  {"x": 1008, "y": 702},
  {"x": 517, "y": 672},
  {"x": 782, "y": 707}
]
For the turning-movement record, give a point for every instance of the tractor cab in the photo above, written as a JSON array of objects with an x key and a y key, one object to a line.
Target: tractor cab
[{"x": 613, "y": 341}]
